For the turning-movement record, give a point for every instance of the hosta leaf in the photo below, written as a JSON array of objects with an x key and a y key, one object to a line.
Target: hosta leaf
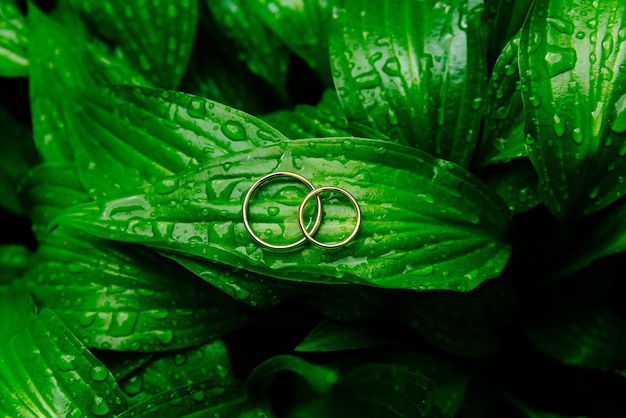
[
  {"x": 177, "y": 368},
  {"x": 427, "y": 224},
  {"x": 14, "y": 260},
  {"x": 57, "y": 71},
  {"x": 215, "y": 397},
  {"x": 516, "y": 182},
  {"x": 503, "y": 133},
  {"x": 501, "y": 21},
  {"x": 413, "y": 70},
  {"x": 463, "y": 324},
  {"x": 258, "y": 47},
  {"x": 603, "y": 234},
  {"x": 331, "y": 335},
  {"x": 585, "y": 334},
  {"x": 156, "y": 36},
  {"x": 303, "y": 26},
  {"x": 128, "y": 137},
  {"x": 573, "y": 86},
  {"x": 13, "y": 40},
  {"x": 124, "y": 298},
  {"x": 17, "y": 156},
  {"x": 45, "y": 370}
]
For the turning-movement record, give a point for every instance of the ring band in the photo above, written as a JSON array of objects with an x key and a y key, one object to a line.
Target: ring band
[
  {"x": 315, "y": 193},
  {"x": 256, "y": 185}
]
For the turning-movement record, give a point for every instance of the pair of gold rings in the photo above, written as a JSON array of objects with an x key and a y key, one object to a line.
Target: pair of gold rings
[{"x": 308, "y": 234}]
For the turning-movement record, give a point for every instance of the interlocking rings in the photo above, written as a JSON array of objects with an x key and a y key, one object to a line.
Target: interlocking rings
[{"x": 308, "y": 234}]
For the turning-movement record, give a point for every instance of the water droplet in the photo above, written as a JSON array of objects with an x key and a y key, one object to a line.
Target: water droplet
[
  {"x": 592, "y": 23},
  {"x": 132, "y": 385},
  {"x": 580, "y": 35},
  {"x": 529, "y": 139},
  {"x": 347, "y": 145},
  {"x": 166, "y": 186},
  {"x": 234, "y": 130},
  {"x": 165, "y": 337},
  {"x": 558, "y": 125},
  {"x": 273, "y": 210},
  {"x": 197, "y": 396},
  {"x": 380, "y": 150},
  {"x": 99, "y": 406},
  {"x": 180, "y": 359},
  {"x": 375, "y": 57},
  {"x": 221, "y": 371},
  {"x": 99, "y": 373},
  {"x": 392, "y": 67},
  {"x": 156, "y": 313},
  {"x": 607, "y": 46},
  {"x": 561, "y": 25},
  {"x": 560, "y": 60},
  {"x": 535, "y": 101},
  {"x": 64, "y": 362},
  {"x": 594, "y": 192},
  {"x": 577, "y": 135},
  {"x": 426, "y": 197}
]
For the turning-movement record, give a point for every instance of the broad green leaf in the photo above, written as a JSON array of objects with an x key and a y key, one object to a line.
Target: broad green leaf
[
  {"x": 582, "y": 333},
  {"x": 214, "y": 397},
  {"x": 215, "y": 75},
  {"x": 127, "y": 137},
  {"x": 501, "y": 20},
  {"x": 427, "y": 223},
  {"x": 331, "y": 335},
  {"x": 601, "y": 235},
  {"x": 156, "y": 36},
  {"x": 414, "y": 70},
  {"x": 256, "y": 46},
  {"x": 44, "y": 370},
  {"x": 17, "y": 156},
  {"x": 516, "y": 182},
  {"x": 177, "y": 368},
  {"x": 463, "y": 324},
  {"x": 115, "y": 296},
  {"x": 14, "y": 259},
  {"x": 125, "y": 298},
  {"x": 303, "y": 26},
  {"x": 573, "y": 87},
  {"x": 13, "y": 41},
  {"x": 503, "y": 132},
  {"x": 57, "y": 71}
]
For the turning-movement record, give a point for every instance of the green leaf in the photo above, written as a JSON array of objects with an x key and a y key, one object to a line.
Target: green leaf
[
  {"x": 256, "y": 46},
  {"x": 427, "y": 224},
  {"x": 573, "y": 87},
  {"x": 122, "y": 366},
  {"x": 57, "y": 71},
  {"x": 516, "y": 182},
  {"x": 17, "y": 156},
  {"x": 177, "y": 368},
  {"x": 581, "y": 333},
  {"x": 14, "y": 259},
  {"x": 223, "y": 397},
  {"x": 13, "y": 41},
  {"x": 118, "y": 297},
  {"x": 503, "y": 132},
  {"x": 331, "y": 335},
  {"x": 303, "y": 26},
  {"x": 415, "y": 71},
  {"x": 45, "y": 370},
  {"x": 501, "y": 21},
  {"x": 128, "y": 137},
  {"x": 155, "y": 36}
]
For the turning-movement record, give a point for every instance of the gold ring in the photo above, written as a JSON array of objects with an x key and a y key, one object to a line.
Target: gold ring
[
  {"x": 315, "y": 193},
  {"x": 256, "y": 185}
]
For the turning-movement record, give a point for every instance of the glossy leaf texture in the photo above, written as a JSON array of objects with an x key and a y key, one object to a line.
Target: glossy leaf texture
[
  {"x": 57, "y": 71},
  {"x": 258, "y": 47},
  {"x": 501, "y": 21},
  {"x": 45, "y": 370},
  {"x": 156, "y": 36},
  {"x": 14, "y": 259},
  {"x": 427, "y": 223},
  {"x": 303, "y": 26},
  {"x": 331, "y": 335},
  {"x": 111, "y": 296},
  {"x": 128, "y": 137},
  {"x": 17, "y": 156},
  {"x": 573, "y": 85},
  {"x": 13, "y": 41},
  {"x": 177, "y": 368},
  {"x": 415, "y": 71},
  {"x": 503, "y": 132}
]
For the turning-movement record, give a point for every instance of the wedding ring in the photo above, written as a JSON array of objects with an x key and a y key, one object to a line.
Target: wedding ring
[
  {"x": 308, "y": 235},
  {"x": 246, "y": 204}
]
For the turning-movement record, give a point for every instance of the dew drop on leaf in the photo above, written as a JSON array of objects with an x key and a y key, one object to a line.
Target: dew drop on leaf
[
  {"x": 99, "y": 406},
  {"x": 233, "y": 130}
]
